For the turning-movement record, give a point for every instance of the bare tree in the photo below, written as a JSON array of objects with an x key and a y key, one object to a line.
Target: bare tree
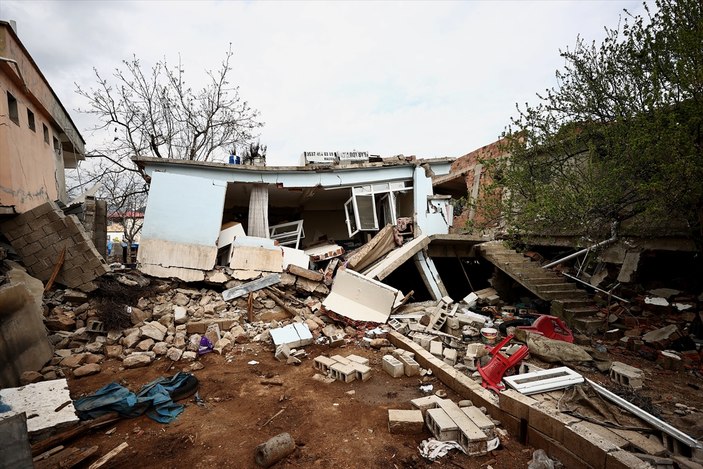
[{"x": 156, "y": 113}]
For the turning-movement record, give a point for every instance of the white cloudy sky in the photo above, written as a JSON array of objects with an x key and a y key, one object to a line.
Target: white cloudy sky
[{"x": 425, "y": 78}]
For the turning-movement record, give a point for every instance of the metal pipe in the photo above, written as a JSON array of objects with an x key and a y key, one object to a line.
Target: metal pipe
[
  {"x": 647, "y": 417},
  {"x": 592, "y": 286},
  {"x": 576, "y": 254}
]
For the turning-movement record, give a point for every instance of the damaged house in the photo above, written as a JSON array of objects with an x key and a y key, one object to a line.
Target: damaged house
[
  {"x": 55, "y": 239},
  {"x": 198, "y": 211}
]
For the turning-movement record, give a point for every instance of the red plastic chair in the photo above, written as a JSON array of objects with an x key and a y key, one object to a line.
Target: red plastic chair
[
  {"x": 551, "y": 327},
  {"x": 492, "y": 374}
]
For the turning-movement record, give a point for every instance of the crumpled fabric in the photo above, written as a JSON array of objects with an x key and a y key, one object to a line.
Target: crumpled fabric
[
  {"x": 153, "y": 398},
  {"x": 433, "y": 449}
]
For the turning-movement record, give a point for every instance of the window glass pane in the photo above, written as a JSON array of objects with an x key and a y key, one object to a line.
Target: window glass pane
[
  {"x": 367, "y": 212},
  {"x": 351, "y": 219}
]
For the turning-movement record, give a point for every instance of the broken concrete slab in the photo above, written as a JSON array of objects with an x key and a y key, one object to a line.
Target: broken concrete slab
[
  {"x": 49, "y": 401},
  {"x": 397, "y": 257},
  {"x": 294, "y": 257},
  {"x": 360, "y": 298},
  {"x": 154, "y": 330},
  {"x": 662, "y": 336},
  {"x": 258, "y": 259}
]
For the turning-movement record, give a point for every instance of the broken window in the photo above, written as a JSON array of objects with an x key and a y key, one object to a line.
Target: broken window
[
  {"x": 370, "y": 203},
  {"x": 46, "y": 133}
]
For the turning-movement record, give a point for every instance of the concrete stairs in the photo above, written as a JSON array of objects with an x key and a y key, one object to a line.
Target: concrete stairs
[{"x": 568, "y": 301}]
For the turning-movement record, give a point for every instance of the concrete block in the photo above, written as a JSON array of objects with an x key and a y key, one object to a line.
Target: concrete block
[
  {"x": 410, "y": 366},
  {"x": 515, "y": 403},
  {"x": 626, "y": 375},
  {"x": 555, "y": 450},
  {"x": 481, "y": 420},
  {"x": 450, "y": 356},
  {"x": 407, "y": 422},
  {"x": 425, "y": 403},
  {"x": 341, "y": 359},
  {"x": 358, "y": 359},
  {"x": 323, "y": 363},
  {"x": 343, "y": 373},
  {"x": 586, "y": 444},
  {"x": 471, "y": 438},
  {"x": 392, "y": 366},
  {"x": 282, "y": 353},
  {"x": 549, "y": 421},
  {"x": 442, "y": 427},
  {"x": 436, "y": 348},
  {"x": 624, "y": 460},
  {"x": 363, "y": 372}
]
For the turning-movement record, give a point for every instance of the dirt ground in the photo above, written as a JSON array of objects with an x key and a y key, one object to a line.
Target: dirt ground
[{"x": 334, "y": 425}]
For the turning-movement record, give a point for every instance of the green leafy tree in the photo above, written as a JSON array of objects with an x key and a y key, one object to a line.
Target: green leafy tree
[{"x": 618, "y": 139}]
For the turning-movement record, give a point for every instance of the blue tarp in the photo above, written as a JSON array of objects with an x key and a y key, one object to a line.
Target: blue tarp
[{"x": 154, "y": 398}]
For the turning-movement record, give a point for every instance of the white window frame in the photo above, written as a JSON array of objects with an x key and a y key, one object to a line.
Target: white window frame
[{"x": 371, "y": 190}]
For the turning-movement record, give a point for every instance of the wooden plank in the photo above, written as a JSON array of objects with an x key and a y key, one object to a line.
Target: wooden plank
[
  {"x": 45, "y": 445},
  {"x": 57, "y": 268},
  {"x": 252, "y": 286},
  {"x": 397, "y": 257},
  {"x": 114, "y": 452}
]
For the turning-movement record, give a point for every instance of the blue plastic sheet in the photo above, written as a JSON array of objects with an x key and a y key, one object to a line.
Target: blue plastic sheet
[{"x": 153, "y": 398}]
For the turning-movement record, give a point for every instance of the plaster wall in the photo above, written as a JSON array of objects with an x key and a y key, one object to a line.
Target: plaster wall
[{"x": 31, "y": 173}]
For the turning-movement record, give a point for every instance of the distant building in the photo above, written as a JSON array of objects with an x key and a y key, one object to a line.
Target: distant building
[{"x": 38, "y": 139}]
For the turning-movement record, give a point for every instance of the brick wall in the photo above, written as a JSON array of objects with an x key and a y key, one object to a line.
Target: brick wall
[{"x": 39, "y": 236}]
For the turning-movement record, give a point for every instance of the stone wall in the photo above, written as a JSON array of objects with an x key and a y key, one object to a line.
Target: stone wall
[{"x": 39, "y": 236}]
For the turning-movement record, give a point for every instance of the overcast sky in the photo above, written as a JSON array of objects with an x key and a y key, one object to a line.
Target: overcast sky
[{"x": 419, "y": 78}]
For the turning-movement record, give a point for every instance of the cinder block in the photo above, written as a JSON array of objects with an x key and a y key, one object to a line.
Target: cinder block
[
  {"x": 323, "y": 363},
  {"x": 436, "y": 348},
  {"x": 450, "y": 356},
  {"x": 407, "y": 422},
  {"x": 425, "y": 403},
  {"x": 587, "y": 445},
  {"x": 441, "y": 426},
  {"x": 626, "y": 375},
  {"x": 343, "y": 373},
  {"x": 358, "y": 359},
  {"x": 341, "y": 359},
  {"x": 471, "y": 438},
  {"x": 410, "y": 366},
  {"x": 363, "y": 372},
  {"x": 392, "y": 366},
  {"x": 481, "y": 420}
]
